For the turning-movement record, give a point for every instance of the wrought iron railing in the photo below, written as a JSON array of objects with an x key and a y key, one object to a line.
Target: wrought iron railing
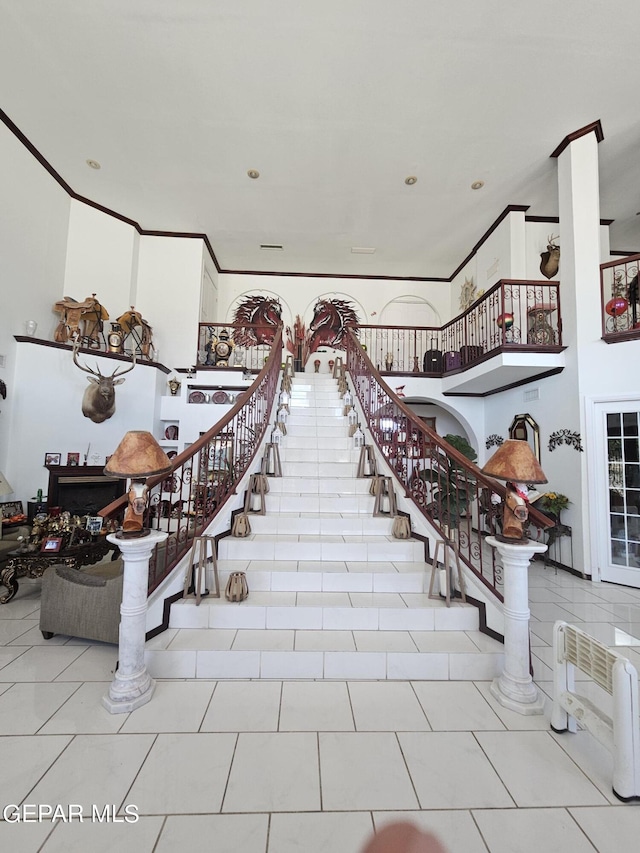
[
  {"x": 184, "y": 502},
  {"x": 234, "y": 345},
  {"x": 450, "y": 491},
  {"x": 620, "y": 299},
  {"x": 522, "y": 315}
]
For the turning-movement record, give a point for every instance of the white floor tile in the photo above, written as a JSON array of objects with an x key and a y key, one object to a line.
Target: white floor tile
[
  {"x": 531, "y": 831},
  {"x": 384, "y": 641},
  {"x": 355, "y": 665},
  {"x": 198, "y": 767},
  {"x": 386, "y": 706},
  {"x": 443, "y": 641},
  {"x": 417, "y": 667},
  {"x": 363, "y": 770},
  {"x": 175, "y": 707},
  {"x": 96, "y": 663},
  {"x": 291, "y": 665},
  {"x": 202, "y": 638},
  {"x": 451, "y": 768},
  {"x": 25, "y": 708},
  {"x": 24, "y": 837},
  {"x": 94, "y": 769},
  {"x": 40, "y": 663},
  {"x": 454, "y": 828},
  {"x": 322, "y": 832},
  {"x": 610, "y": 830},
  {"x": 536, "y": 772},
  {"x": 228, "y": 664},
  {"x": 274, "y": 772},
  {"x": 83, "y": 713},
  {"x": 105, "y": 837},
  {"x": 455, "y": 706},
  {"x": 511, "y": 719},
  {"x": 337, "y": 641},
  {"x": 315, "y": 706},
  {"x": 243, "y": 706},
  {"x": 24, "y": 761},
  {"x": 247, "y": 640},
  {"x": 232, "y": 833}
]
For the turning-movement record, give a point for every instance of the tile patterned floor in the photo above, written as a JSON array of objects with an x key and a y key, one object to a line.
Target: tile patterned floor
[{"x": 314, "y": 766}]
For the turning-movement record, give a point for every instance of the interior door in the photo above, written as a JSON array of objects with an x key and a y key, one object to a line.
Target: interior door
[{"x": 618, "y": 447}]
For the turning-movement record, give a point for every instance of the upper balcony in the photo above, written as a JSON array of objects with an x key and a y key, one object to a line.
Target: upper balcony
[
  {"x": 510, "y": 336},
  {"x": 620, "y": 300}
]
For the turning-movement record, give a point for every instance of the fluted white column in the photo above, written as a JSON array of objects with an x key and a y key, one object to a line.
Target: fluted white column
[
  {"x": 132, "y": 686},
  {"x": 514, "y": 689}
]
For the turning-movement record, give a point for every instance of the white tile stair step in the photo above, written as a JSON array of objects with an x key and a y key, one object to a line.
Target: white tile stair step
[
  {"x": 329, "y": 485},
  {"x": 317, "y": 524},
  {"x": 314, "y": 503},
  {"x": 319, "y": 469},
  {"x": 337, "y": 442},
  {"x": 348, "y": 454},
  {"x": 301, "y": 547}
]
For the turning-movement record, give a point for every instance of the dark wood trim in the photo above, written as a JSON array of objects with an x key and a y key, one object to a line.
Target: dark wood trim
[
  {"x": 619, "y": 337},
  {"x": 24, "y": 339},
  {"x": 510, "y": 208},
  {"x": 622, "y": 253},
  {"x": 517, "y": 384},
  {"x": 166, "y": 612},
  {"x": 556, "y": 220},
  {"x": 594, "y": 127},
  {"x": 336, "y": 275}
]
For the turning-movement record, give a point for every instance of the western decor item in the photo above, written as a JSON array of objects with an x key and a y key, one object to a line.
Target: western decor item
[
  {"x": 401, "y": 527},
  {"x": 137, "y": 457},
  {"x": 116, "y": 338},
  {"x": 514, "y": 462},
  {"x": 174, "y": 386},
  {"x": 99, "y": 400},
  {"x": 550, "y": 260},
  {"x": 467, "y": 294},
  {"x": 237, "y": 588},
  {"x": 241, "y": 526}
]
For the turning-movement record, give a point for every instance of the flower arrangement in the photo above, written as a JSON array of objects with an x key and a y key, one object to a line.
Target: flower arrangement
[{"x": 554, "y": 502}]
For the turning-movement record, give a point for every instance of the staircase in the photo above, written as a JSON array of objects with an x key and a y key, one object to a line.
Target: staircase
[{"x": 332, "y": 594}]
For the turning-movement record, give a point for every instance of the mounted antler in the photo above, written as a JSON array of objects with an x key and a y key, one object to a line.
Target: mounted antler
[
  {"x": 550, "y": 260},
  {"x": 99, "y": 400}
]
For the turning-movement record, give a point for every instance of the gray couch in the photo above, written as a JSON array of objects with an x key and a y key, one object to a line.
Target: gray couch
[
  {"x": 82, "y": 602},
  {"x": 11, "y": 540}
]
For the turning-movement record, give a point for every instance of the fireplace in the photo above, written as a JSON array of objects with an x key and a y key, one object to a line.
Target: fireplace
[{"x": 82, "y": 489}]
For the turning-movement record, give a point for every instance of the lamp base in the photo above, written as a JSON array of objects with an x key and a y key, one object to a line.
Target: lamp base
[
  {"x": 133, "y": 534},
  {"x": 522, "y": 540}
]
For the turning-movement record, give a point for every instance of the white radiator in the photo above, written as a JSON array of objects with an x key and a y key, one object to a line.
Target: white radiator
[{"x": 614, "y": 673}]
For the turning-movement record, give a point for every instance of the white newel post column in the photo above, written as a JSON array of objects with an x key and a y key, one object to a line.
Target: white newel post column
[
  {"x": 514, "y": 689},
  {"x": 132, "y": 686}
]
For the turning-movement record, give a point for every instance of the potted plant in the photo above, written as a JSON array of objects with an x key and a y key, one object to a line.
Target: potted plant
[
  {"x": 553, "y": 503},
  {"x": 452, "y": 488}
]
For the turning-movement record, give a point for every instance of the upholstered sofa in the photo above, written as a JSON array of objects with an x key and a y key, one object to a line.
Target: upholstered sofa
[
  {"x": 11, "y": 539},
  {"x": 82, "y": 602}
]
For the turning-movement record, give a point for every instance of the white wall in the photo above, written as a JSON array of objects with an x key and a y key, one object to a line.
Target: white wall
[
  {"x": 168, "y": 295},
  {"x": 101, "y": 258},
  {"x": 33, "y": 240},
  {"x": 47, "y": 416}
]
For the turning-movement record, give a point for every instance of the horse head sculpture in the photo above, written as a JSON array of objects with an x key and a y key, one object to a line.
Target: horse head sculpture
[
  {"x": 329, "y": 325},
  {"x": 262, "y": 316}
]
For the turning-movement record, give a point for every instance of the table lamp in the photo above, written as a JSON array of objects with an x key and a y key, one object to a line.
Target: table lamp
[
  {"x": 137, "y": 457},
  {"x": 514, "y": 462}
]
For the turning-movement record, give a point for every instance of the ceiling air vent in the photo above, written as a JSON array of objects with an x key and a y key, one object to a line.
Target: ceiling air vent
[
  {"x": 362, "y": 250},
  {"x": 272, "y": 247},
  {"x": 531, "y": 394}
]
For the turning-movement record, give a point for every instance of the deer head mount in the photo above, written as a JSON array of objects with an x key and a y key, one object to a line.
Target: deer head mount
[
  {"x": 550, "y": 260},
  {"x": 99, "y": 400}
]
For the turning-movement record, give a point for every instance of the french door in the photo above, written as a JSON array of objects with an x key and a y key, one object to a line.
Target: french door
[{"x": 618, "y": 448}]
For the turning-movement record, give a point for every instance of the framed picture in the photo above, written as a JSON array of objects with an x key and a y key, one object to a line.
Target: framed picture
[
  {"x": 52, "y": 458},
  {"x": 51, "y": 545},
  {"x": 73, "y": 458},
  {"x": 94, "y": 523}
]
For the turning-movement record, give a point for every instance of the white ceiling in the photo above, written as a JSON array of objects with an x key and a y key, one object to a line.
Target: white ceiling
[{"x": 335, "y": 102}]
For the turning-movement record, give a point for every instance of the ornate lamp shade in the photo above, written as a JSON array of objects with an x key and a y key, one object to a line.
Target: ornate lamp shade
[
  {"x": 514, "y": 462},
  {"x": 137, "y": 457}
]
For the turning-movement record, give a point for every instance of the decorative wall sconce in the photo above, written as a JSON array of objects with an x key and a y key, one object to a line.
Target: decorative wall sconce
[
  {"x": 524, "y": 428},
  {"x": 565, "y": 436}
]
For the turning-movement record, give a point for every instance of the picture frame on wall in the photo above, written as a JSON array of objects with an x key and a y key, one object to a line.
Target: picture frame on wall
[{"x": 52, "y": 458}]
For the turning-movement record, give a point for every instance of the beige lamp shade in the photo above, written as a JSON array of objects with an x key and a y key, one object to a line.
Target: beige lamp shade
[
  {"x": 5, "y": 486},
  {"x": 138, "y": 456},
  {"x": 514, "y": 461}
]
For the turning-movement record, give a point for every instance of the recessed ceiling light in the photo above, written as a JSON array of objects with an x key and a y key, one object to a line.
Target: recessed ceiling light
[
  {"x": 253, "y": 173},
  {"x": 411, "y": 180},
  {"x": 477, "y": 185},
  {"x": 93, "y": 164}
]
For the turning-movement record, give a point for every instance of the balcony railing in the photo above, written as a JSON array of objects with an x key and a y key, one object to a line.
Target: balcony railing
[
  {"x": 512, "y": 315},
  {"x": 184, "y": 502},
  {"x": 450, "y": 491},
  {"x": 620, "y": 299},
  {"x": 234, "y": 345}
]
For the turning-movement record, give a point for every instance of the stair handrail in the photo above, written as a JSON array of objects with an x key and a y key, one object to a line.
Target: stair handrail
[
  {"x": 204, "y": 476},
  {"x": 448, "y": 489}
]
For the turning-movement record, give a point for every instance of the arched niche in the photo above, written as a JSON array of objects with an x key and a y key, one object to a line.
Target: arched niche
[
  {"x": 409, "y": 310},
  {"x": 447, "y": 421}
]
